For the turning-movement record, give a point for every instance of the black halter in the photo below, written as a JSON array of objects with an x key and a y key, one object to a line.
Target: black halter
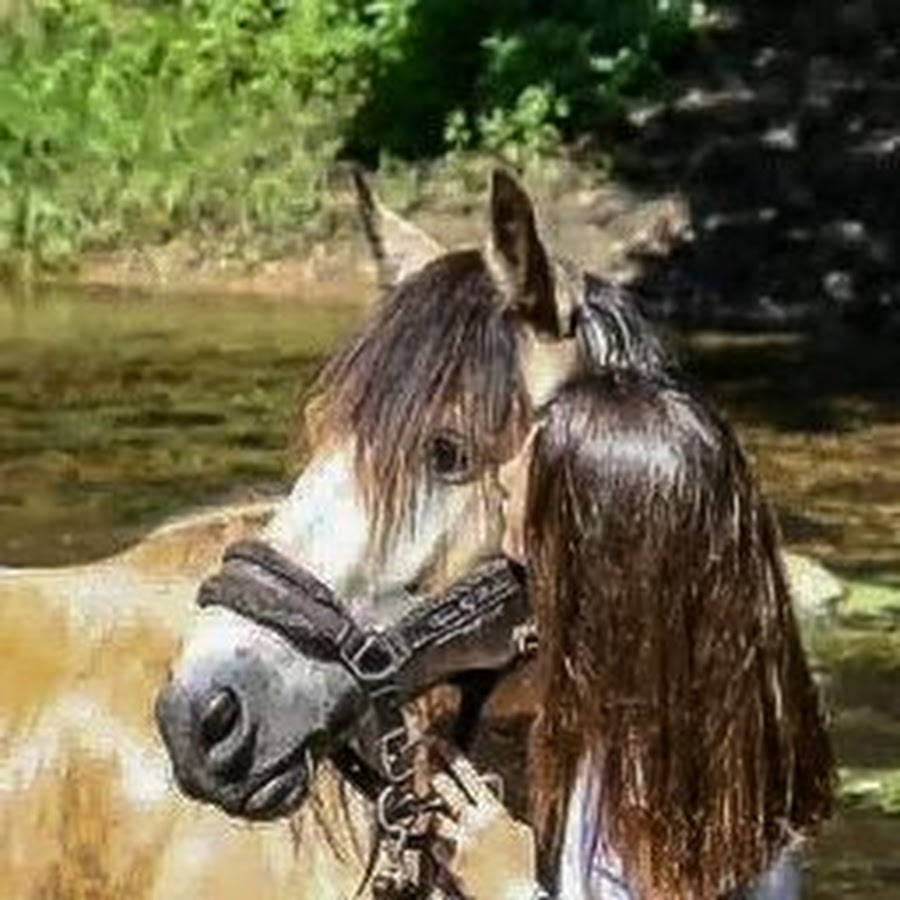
[{"x": 485, "y": 615}]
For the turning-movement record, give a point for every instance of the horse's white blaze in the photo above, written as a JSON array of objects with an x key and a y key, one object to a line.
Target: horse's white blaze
[{"x": 323, "y": 524}]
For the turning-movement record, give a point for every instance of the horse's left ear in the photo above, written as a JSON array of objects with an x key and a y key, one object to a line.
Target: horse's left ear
[
  {"x": 399, "y": 247},
  {"x": 519, "y": 260}
]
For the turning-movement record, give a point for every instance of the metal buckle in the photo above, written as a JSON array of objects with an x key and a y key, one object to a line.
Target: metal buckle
[
  {"x": 525, "y": 639},
  {"x": 395, "y": 747},
  {"x": 372, "y": 644},
  {"x": 397, "y": 812}
]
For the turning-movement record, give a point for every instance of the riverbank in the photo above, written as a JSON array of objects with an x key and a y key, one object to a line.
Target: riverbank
[{"x": 587, "y": 216}]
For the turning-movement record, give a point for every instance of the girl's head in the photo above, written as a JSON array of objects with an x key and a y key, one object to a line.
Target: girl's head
[{"x": 669, "y": 651}]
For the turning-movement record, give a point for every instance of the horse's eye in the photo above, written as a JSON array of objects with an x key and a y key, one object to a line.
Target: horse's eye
[{"x": 449, "y": 457}]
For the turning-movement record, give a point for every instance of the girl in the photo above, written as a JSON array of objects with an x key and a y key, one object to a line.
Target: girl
[{"x": 679, "y": 750}]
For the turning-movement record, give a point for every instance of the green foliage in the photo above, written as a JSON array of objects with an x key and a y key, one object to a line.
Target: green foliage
[
  {"x": 138, "y": 121},
  {"x": 517, "y": 74},
  {"x": 521, "y": 134}
]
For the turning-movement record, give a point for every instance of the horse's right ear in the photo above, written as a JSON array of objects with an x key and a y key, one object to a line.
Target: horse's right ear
[
  {"x": 518, "y": 259},
  {"x": 399, "y": 247}
]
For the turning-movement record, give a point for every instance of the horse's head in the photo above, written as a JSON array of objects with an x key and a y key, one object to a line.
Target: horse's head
[{"x": 409, "y": 425}]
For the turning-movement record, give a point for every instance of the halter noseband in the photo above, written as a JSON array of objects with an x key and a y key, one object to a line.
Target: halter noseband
[{"x": 485, "y": 613}]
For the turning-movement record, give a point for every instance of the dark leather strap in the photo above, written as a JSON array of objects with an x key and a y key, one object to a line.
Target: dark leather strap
[
  {"x": 260, "y": 584},
  {"x": 487, "y": 609}
]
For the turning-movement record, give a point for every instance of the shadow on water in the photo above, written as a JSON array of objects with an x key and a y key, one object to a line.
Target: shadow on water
[{"x": 829, "y": 381}]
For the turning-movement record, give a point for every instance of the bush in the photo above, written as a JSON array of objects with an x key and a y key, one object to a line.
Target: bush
[
  {"x": 478, "y": 73},
  {"x": 137, "y": 121}
]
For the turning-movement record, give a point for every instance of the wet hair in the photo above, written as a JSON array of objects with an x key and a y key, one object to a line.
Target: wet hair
[
  {"x": 670, "y": 655},
  {"x": 443, "y": 351}
]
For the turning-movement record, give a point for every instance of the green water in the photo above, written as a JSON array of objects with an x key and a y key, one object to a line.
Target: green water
[{"x": 117, "y": 413}]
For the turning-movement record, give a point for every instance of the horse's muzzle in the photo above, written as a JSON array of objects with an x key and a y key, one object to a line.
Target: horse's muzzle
[
  {"x": 245, "y": 728},
  {"x": 281, "y": 674}
]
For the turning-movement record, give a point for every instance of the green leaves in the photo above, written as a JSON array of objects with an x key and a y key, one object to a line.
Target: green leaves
[
  {"x": 522, "y": 133},
  {"x": 138, "y": 121}
]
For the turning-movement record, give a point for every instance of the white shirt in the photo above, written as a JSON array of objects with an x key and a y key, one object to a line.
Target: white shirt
[{"x": 590, "y": 870}]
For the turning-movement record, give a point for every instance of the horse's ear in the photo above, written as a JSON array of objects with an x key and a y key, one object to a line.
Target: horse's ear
[
  {"x": 518, "y": 259},
  {"x": 399, "y": 247}
]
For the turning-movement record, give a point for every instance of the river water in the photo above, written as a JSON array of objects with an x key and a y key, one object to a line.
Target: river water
[{"x": 118, "y": 412}]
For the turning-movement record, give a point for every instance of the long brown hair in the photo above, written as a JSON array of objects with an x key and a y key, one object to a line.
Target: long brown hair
[{"x": 670, "y": 655}]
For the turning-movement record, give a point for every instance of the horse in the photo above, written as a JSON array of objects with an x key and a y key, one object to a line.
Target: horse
[{"x": 409, "y": 425}]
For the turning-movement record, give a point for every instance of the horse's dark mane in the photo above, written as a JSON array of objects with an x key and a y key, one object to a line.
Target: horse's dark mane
[
  {"x": 442, "y": 350},
  {"x": 612, "y": 333},
  {"x": 684, "y": 681}
]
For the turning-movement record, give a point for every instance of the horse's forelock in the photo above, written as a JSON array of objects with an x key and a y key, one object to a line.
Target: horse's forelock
[
  {"x": 439, "y": 351},
  {"x": 442, "y": 348}
]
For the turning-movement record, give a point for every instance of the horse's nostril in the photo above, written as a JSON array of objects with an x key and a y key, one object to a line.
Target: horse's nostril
[
  {"x": 227, "y": 735},
  {"x": 220, "y": 717}
]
